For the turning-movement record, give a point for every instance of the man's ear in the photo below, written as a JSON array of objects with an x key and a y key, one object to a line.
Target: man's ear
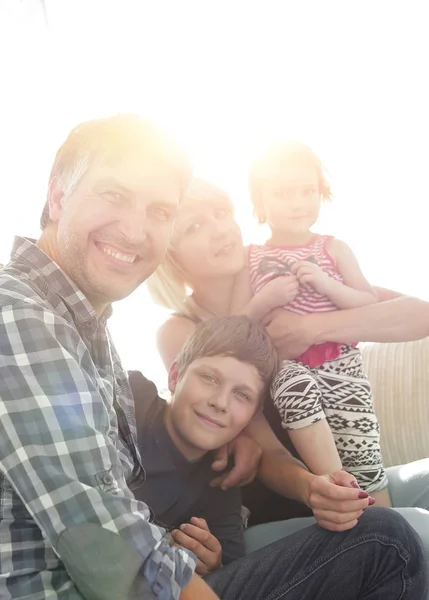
[
  {"x": 56, "y": 199},
  {"x": 173, "y": 376}
]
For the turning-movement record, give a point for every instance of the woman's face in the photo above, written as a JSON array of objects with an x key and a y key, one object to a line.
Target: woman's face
[{"x": 206, "y": 239}]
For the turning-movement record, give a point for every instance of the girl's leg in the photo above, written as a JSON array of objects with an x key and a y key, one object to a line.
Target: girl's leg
[
  {"x": 297, "y": 397},
  {"x": 347, "y": 403}
]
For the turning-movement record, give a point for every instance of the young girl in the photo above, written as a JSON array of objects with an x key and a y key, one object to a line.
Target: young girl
[{"x": 324, "y": 396}]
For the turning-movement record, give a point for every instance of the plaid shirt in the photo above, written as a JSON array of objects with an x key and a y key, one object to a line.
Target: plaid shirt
[{"x": 69, "y": 525}]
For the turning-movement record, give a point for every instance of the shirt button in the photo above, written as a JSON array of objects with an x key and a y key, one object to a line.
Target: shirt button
[{"x": 108, "y": 479}]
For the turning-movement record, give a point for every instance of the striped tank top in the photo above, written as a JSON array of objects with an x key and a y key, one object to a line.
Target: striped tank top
[{"x": 268, "y": 262}]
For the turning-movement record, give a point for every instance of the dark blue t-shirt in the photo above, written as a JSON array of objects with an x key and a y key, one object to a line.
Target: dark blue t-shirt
[{"x": 176, "y": 489}]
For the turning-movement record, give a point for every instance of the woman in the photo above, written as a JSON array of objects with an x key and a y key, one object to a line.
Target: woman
[{"x": 205, "y": 255}]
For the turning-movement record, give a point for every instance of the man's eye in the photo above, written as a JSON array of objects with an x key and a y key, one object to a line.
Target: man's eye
[
  {"x": 208, "y": 378},
  {"x": 161, "y": 213},
  {"x": 114, "y": 197}
]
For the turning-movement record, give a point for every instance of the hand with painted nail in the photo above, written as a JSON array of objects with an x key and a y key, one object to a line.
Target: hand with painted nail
[
  {"x": 196, "y": 536},
  {"x": 337, "y": 500}
]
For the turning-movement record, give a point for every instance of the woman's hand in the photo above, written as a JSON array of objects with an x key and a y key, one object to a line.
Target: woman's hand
[
  {"x": 247, "y": 456},
  {"x": 196, "y": 536},
  {"x": 337, "y": 501},
  {"x": 292, "y": 334}
]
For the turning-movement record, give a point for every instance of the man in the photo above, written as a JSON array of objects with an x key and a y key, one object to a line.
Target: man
[
  {"x": 219, "y": 383},
  {"x": 70, "y": 526}
]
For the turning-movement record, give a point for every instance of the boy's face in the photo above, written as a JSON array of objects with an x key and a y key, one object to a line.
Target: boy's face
[{"x": 213, "y": 401}]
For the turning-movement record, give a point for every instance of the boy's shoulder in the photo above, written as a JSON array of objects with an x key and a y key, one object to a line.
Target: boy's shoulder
[{"x": 148, "y": 403}]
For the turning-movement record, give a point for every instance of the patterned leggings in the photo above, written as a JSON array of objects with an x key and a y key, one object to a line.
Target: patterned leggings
[{"x": 338, "y": 391}]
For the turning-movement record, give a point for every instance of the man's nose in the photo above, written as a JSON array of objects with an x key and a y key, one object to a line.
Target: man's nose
[{"x": 134, "y": 226}]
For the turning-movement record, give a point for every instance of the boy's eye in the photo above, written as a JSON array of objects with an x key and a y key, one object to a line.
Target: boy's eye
[
  {"x": 208, "y": 378},
  {"x": 241, "y": 394}
]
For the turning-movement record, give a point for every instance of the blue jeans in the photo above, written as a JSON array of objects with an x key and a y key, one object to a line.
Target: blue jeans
[
  {"x": 379, "y": 559},
  {"x": 408, "y": 487}
]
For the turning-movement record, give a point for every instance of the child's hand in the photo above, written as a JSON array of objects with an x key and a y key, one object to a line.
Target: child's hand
[
  {"x": 196, "y": 536},
  {"x": 311, "y": 276},
  {"x": 279, "y": 291}
]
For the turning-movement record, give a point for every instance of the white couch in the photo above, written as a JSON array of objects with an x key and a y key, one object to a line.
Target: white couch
[{"x": 399, "y": 374}]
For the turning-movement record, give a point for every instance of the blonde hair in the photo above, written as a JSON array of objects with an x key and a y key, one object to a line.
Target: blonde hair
[
  {"x": 167, "y": 286},
  {"x": 283, "y": 154}
]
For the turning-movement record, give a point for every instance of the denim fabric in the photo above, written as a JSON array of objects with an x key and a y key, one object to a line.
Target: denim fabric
[
  {"x": 380, "y": 559},
  {"x": 408, "y": 486}
]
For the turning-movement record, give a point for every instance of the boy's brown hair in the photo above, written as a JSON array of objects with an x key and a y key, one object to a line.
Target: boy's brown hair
[
  {"x": 284, "y": 154},
  {"x": 236, "y": 336}
]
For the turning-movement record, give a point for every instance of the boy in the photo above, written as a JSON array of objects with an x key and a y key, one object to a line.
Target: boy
[{"x": 218, "y": 383}]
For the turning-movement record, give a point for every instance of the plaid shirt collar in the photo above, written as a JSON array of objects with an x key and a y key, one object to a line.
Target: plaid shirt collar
[{"x": 47, "y": 277}]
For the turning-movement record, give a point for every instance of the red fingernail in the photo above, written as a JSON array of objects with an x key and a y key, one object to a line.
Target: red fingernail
[
  {"x": 355, "y": 485},
  {"x": 363, "y": 495},
  {"x": 371, "y": 501}
]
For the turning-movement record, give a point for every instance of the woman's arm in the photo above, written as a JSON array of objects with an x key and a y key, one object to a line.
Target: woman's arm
[
  {"x": 278, "y": 469},
  {"x": 171, "y": 336},
  {"x": 397, "y": 319}
]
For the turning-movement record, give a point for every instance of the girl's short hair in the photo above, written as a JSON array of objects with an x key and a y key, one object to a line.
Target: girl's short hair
[
  {"x": 236, "y": 336},
  {"x": 167, "y": 286},
  {"x": 284, "y": 154}
]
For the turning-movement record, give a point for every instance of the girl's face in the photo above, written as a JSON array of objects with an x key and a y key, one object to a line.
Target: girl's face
[
  {"x": 206, "y": 239},
  {"x": 290, "y": 197}
]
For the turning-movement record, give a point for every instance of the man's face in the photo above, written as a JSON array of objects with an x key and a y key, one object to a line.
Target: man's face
[
  {"x": 213, "y": 401},
  {"x": 114, "y": 228}
]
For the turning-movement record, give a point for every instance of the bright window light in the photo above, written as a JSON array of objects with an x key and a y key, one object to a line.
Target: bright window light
[{"x": 225, "y": 77}]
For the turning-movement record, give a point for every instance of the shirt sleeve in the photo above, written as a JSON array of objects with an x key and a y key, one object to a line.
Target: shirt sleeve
[
  {"x": 58, "y": 452},
  {"x": 146, "y": 400},
  {"x": 222, "y": 511}
]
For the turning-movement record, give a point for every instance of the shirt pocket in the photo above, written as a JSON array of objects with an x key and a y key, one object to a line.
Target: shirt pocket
[{"x": 106, "y": 482}]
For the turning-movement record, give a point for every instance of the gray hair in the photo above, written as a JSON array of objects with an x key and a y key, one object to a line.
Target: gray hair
[{"x": 109, "y": 141}]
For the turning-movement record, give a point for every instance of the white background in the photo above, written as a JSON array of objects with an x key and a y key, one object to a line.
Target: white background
[{"x": 348, "y": 78}]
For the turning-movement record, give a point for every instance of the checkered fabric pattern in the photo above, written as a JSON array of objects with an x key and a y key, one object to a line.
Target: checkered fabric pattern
[{"x": 68, "y": 443}]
